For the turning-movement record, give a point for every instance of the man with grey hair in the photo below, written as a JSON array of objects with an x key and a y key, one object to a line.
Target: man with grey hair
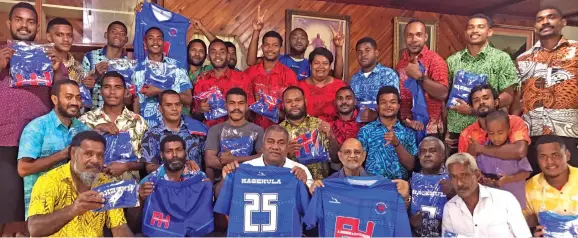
[{"x": 479, "y": 211}]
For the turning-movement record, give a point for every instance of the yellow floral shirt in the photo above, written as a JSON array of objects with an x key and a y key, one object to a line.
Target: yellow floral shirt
[
  {"x": 74, "y": 69},
  {"x": 54, "y": 191}
]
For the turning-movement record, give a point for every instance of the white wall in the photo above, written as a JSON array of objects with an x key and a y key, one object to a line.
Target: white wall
[{"x": 570, "y": 32}]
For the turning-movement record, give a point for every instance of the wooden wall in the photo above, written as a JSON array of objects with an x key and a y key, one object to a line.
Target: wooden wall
[{"x": 234, "y": 17}]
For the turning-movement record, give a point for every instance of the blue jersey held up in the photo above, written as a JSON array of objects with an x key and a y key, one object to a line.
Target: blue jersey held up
[
  {"x": 301, "y": 68},
  {"x": 358, "y": 207},
  {"x": 263, "y": 201},
  {"x": 174, "y": 27}
]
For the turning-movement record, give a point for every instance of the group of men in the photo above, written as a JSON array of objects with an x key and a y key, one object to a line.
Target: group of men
[{"x": 53, "y": 149}]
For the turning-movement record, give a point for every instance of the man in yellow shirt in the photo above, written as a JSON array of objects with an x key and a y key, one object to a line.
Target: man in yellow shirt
[
  {"x": 554, "y": 189},
  {"x": 62, "y": 200}
]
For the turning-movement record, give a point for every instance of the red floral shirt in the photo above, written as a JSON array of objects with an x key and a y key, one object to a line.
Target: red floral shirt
[
  {"x": 320, "y": 101},
  {"x": 344, "y": 130}
]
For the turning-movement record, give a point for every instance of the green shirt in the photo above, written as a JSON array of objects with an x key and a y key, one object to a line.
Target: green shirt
[
  {"x": 193, "y": 75},
  {"x": 499, "y": 67}
]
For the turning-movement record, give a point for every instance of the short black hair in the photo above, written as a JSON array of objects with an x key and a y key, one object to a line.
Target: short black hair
[
  {"x": 298, "y": 29},
  {"x": 167, "y": 92},
  {"x": 196, "y": 41},
  {"x": 292, "y": 88},
  {"x": 154, "y": 28},
  {"x": 498, "y": 115},
  {"x": 482, "y": 16},
  {"x": 114, "y": 74},
  {"x": 547, "y": 139},
  {"x": 57, "y": 21},
  {"x": 24, "y": 5},
  {"x": 55, "y": 90},
  {"x": 216, "y": 41},
  {"x": 273, "y": 34},
  {"x": 323, "y": 52},
  {"x": 236, "y": 91},
  {"x": 411, "y": 21},
  {"x": 85, "y": 135},
  {"x": 229, "y": 44},
  {"x": 172, "y": 138},
  {"x": 116, "y": 23},
  {"x": 551, "y": 8},
  {"x": 481, "y": 87},
  {"x": 387, "y": 90},
  {"x": 348, "y": 88},
  {"x": 366, "y": 39}
]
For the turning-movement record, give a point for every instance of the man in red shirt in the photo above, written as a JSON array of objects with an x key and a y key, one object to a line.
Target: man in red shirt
[
  {"x": 220, "y": 76},
  {"x": 343, "y": 124},
  {"x": 270, "y": 76},
  {"x": 434, "y": 80}
]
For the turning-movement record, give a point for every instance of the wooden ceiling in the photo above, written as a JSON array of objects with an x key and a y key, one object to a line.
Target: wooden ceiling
[{"x": 517, "y": 9}]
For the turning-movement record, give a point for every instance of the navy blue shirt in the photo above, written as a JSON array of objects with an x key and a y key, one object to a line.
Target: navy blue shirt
[{"x": 301, "y": 68}]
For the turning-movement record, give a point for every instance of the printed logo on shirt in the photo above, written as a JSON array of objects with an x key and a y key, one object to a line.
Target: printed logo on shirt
[
  {"x": 160, "y": 219},
  {"x": 173, "y": 32},
  {"x": 380, "y": 208},
  {"x": 303, "y": 74},
  {"x": 334, "y": 200},
  {"x": 261, "y": 174},
  {"x": 349, "y": 227}
]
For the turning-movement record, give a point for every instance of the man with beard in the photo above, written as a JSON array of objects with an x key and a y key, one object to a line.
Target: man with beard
[
  {"x": 147, "y": 94},
  {"x": 235, "y": 139},
  {"x": 231, "y": 55},
  {"x": 433, "y": 81},
  {"x": 63, "y": 200},
  {"x": 94, "y": 63},
  {"x": 270, "y": 77},
  {"x": 114, "y": 117},
  {"x": 197, "y": 54},
  {"x": 548, "y": 73},
  {"x": 372, "y": 76},
  {"x": 19, "y": 106},
  {"x": 44, "y": 141},
  {"x": 390, "y": 146},
  {"x": 477, "y": 210},
  {"x": 220, "y": 76},
  {"x": 59, "y": 31},
  {"x": 343, "y": 124},
  {"x": 479, "y": 58},
  {"x": 473, "y": 138},
  {"x": 298, "y": 123}
]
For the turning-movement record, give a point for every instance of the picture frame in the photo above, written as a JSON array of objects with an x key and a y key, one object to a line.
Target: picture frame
[
  {"x": 317, "y": 26},
  {"x": 399, "y": 24},
  {"x": 513, "y": 40}
]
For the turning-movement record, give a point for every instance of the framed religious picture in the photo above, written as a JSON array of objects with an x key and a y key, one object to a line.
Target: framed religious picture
[
  {"x": 399, "y": 24},
  {"x": 513, "y": 40},
  {"x": 318, "y": 27}
]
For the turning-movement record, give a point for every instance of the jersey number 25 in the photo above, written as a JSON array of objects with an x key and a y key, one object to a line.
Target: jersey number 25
[{"x": 260, "y": 203}]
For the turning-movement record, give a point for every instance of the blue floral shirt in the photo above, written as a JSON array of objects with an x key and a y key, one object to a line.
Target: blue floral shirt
[
  {"x": 89, "y": 62},
  {"x": 366, "y": 88},
  {"x": 382, "y": 159},
  {"x": 192, "y": 131},
  {"x": 161, "y": 173},
  {"x": 42, "y": 137},
  {"x": 149, "y": 105}
]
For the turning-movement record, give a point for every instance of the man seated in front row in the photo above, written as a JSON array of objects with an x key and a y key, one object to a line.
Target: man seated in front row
[{"x": 62, "y": 200}]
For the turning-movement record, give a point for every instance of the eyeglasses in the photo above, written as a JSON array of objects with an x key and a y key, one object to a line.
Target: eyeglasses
[{"x": 349, "y": 152}]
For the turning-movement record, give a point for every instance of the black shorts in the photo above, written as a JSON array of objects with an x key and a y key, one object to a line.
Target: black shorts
[
  {"x": 12, "y": 188},
  {"x": 571, "y": 145}
]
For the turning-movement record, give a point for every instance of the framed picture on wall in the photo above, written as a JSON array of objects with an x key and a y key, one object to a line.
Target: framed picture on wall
[
  {"x": 318, "y": 27},
  {"x": 513, "y": 40},
  {"x": 399, "y": 24}
]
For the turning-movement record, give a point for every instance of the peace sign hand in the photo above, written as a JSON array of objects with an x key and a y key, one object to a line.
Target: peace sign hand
[
  {"x": 338, "y": 38},
  {"x": 258, "y": 22}
]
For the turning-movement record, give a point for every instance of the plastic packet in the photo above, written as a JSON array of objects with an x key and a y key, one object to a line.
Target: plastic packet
[
  {"x": 364, "y": 106},
  {"x": 427, "y": 195},
  {"x": 30, "y": 65},
  {"x": 463, "y": 84},
  {"x": 123, "y": 194},
  {"x": 125, "y": 67},
  {"x": 237, "y": 142},
  {"x": 160, "y": 75},
  {"x": 118, "y": 148},
  {"x": 216, "y": 101},
  {"x": 195, "y": 127},
  {"x": 85, "y": 96},
  {"x": 558, "y": 225},
  {"x": 312, "y": 148},
  {"x": 267, "y": 106}
]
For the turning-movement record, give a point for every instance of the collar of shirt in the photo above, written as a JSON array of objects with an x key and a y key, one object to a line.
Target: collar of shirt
[
  {"x": 103, "y": 52},
  {"x": 125, "y": 114},
  {"x": 67, "y": 177},
  {"x": 572, "y": 179},
  {"x": 341, "y": 173},
  {"x": 375, "y": 70},
  {"x": 200, "y": 70},
  {"x": 226, "y": 75},
  {"x": 187, "y": 173},
  {"x": 467, "y": 56},
  {"x": 422, "y": 53},
  {"x": 182, "y": 125},
  {"x": 397, "y": 125},
  {"x": 484, "y": 193},
  {"x": 352, "y": 118},
  {"x": 305, "y": 121},
  {"x": 278, "y": 69},
  {"x": 54, "y": 118},
  {"x": 563, "y": 42}
]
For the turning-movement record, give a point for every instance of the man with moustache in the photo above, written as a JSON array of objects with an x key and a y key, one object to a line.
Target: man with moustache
[
  {"x": 197, "y": 54},
  {"x": 549, "y": 74},
  {"x": 147, "y": 94},
  {"x": 477, "y": 210},
  {"x": 433, "y": 81},
  {"x": 220, "y": 76},
  {"x": 343, "y": 124},
  {"x": 63, "y": 200},
  {"x": 45, "y": 140},
  {"x": 19, "y": 106},
  {"x": 479, "y": 58},
  {"x": 231, "y": 55},
  {"x": 235, "y": 139},
  {"x": 59, "y": 31}
]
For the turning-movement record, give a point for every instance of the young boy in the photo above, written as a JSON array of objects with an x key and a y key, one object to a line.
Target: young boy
[{"x": 509, "y": 175}]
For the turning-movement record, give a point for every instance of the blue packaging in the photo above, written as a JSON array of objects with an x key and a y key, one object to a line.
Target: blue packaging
[
  {"x": 85, "y": 96},
  {"x": 312, "y": 148},
  {"x": 160, "y": 75},
  {"x": 364, "y": 106},
  {"x": 267, "y": 106},
  {"x": 463, "y": 84},
  {"x": 118, "y": 148},
  {"x": 240, "y": 146},
  {"x": 450, "y": 234},
  {"x": 30, "y": 65},
  {"x": 122, "y": 194},
  {"x": 216, "y": 101},
  {"x": 558, "y": 225},
  {"x": 427, "y": 195}
]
